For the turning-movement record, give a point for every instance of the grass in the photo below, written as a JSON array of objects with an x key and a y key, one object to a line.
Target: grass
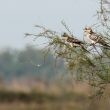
[
  {"x": 11, "y": 100},
  {"x": 11, "y": 96},
  {"x": 67, "y": 99}
]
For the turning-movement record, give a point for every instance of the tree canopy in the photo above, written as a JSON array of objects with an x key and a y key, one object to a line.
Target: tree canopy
[{"x": 93, "y": 65}]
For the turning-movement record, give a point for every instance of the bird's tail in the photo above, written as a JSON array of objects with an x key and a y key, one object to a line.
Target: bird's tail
[
  {"x": 84, "y": 49},
  {"x": 106, "y": 45}
]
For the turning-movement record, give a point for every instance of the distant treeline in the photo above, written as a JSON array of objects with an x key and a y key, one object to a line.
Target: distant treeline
[
  {"x": 39, "y": 97},
  {"x": 29, "y": 62}
]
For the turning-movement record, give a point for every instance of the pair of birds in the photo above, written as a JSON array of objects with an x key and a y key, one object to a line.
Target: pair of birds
[{"x": 94, "y": 37}]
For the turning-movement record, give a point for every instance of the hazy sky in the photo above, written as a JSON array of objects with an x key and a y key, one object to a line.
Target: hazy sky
[{"x": 19, "y": 16}]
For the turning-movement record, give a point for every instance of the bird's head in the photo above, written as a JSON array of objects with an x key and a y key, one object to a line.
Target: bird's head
[
  {"x": 88, "y": 30},
  {"x": 65, "y": 36}
]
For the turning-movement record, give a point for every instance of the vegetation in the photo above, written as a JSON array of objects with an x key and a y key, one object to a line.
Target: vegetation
[
  {"x": 28, "y": 62},
  {"x": 92, "y": 67},
  {"x": 86, "y": 65}
]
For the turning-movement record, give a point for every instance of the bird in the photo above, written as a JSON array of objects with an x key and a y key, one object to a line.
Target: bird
[
  {"x": 94, "y": 37},
  {"x": 73, "y": 42}
]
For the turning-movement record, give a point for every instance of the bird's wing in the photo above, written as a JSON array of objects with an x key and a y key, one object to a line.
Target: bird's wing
[
  {"x": 73, "y": 40},
  {"x": 95, "y": 37},
  {"x": 98, "y": 39},
  {"x": 77, "y": 41}
]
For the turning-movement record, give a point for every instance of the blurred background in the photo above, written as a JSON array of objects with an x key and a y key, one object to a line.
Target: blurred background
[{"x": 29, "y": 79}]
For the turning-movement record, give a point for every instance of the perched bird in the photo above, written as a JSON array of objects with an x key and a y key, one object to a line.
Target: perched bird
[
  {"x": 94, "y": 37},
  {"x": 73, "y": 42}
]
